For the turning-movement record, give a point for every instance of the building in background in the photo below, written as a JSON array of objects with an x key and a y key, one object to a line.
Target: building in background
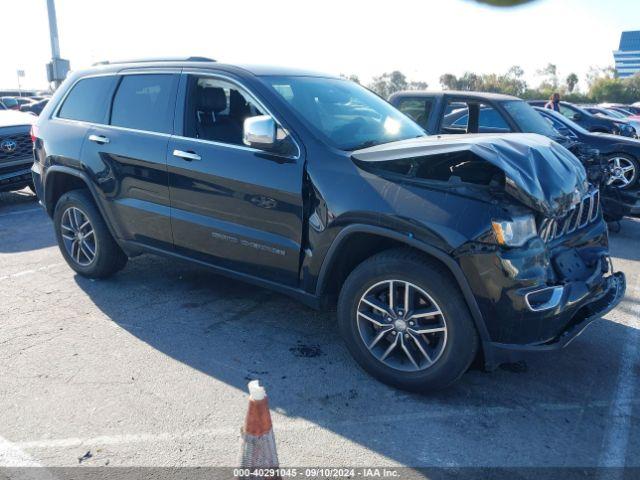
[{"x": 627, "y": 56}]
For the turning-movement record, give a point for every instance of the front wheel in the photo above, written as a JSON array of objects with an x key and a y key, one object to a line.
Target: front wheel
[
  {"x": 624, "y": 171},
  {"x": 83, "y": 237},
  {"x": 405, "y": 321}
]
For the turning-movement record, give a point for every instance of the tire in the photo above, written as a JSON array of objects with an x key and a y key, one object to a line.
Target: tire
[
  {"x": 74, "y": 209},
  {"x": 451, "y": 351},
  {"x": 625, "y": 168}
]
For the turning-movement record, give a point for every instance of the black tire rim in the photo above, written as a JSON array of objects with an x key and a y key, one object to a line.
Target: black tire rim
[
  {"x": 401, "y": 325},
  {"x": 78, "y": 236}
]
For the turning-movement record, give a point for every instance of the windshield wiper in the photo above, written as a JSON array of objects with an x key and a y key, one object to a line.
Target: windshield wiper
[{"x": 368, "y": 143}]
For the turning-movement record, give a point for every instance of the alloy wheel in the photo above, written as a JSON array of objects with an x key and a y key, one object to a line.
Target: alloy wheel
[
  {"x": 623, "y": 171},
  {"x": 78, "y": 236},
  {"x": 401, "y": 325}
]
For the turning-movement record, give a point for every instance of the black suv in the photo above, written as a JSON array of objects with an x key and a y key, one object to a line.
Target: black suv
[{"x": 438, "y": 250}]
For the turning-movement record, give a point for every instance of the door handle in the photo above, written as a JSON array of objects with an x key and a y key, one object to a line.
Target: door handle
[
  {"x": 189, "y": 156},
  {"x": 98, "y": 139}
]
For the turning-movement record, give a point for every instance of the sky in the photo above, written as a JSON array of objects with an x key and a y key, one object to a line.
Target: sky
[{"x": 421, "y": 38}]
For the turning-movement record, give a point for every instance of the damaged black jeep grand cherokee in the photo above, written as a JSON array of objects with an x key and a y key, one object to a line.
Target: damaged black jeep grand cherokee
[{"x": 438, "y": 249}]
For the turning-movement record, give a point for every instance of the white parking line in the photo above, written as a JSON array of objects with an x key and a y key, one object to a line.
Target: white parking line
[
  {"x": 614, "y": 451},
  {"x": 17, "y": 212},
  {"x": 285, "y": 424},
  {"x": 12, "y": 456},
  {"x": 29, "y": 272}
]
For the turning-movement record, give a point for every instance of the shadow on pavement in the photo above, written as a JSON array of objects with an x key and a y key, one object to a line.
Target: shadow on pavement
[
  {"x": 24, "y": 225},
  {"x": 234, "y": 332},
  {"x": 624, "y": 244}
]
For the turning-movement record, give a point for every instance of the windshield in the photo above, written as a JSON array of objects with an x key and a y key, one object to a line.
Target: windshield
[
  {"x": 528, "y": 119},
  {"x": 613, "y": 113},
  {"x": 347, "y": 115}
]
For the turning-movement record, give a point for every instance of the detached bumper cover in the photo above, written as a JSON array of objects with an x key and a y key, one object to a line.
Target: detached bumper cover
[{"x": 612, "y": 293}]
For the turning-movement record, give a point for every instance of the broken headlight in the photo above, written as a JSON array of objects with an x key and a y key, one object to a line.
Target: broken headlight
[{"x": 515, "y": 232}]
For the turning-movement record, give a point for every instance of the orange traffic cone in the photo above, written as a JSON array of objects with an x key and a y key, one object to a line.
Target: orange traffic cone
[{"x": 258, "y": 443}]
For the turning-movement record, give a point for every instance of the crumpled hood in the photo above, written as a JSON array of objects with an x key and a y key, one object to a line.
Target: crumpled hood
[{"x": 538, "y": 172}]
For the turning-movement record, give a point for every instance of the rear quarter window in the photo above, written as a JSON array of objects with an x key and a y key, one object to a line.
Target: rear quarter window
[
  {"x": 145, "y": 102},
  {"x": 88, "y": 100}
]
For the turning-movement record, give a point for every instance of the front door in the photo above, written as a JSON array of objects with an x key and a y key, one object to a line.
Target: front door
[{"x": 233, "y": 206}]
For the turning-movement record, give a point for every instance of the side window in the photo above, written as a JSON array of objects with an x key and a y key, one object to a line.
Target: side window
[
  {"x": 216, "y": 110},
  {"x": 88, "y": 101},
  {"x": 145, "y": 102},
  {"x": 567, "y": 112},
  {"x": 418, "y": 109},
  {"x": 491, "y": 121},
  {"x": 456, "y": 118}
]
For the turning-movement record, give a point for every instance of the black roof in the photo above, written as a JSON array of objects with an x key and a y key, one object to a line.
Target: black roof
[
  {"x": 496, "y": 97},
  {"x": 197, "y": 63}
]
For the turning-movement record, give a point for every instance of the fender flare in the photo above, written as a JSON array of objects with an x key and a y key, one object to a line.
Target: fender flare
[
  {"x": 90, "y": 186},
  {"x": 437, "y": 253}
]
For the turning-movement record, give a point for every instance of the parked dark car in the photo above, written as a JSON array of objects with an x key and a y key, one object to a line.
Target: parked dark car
[
  {"x": 16, "y": 151},
  {"x": 448, "y": 112},
  {"x": 10, "y": 103},
  {"x": 471, "y": 112},
  {"x": 35, "y": 107},
  {"x": 621, "y": 155},
  {"x": 436, "y": 249},
  {"x": 593, "y": 123}
]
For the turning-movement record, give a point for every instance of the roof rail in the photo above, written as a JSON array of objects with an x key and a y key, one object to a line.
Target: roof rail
[{"x": 159, "y": 59}]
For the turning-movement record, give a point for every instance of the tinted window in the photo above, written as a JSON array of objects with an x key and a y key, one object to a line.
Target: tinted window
[
  {"x": 88, "y": 100},
  {"x": 418, "y": 109},
  {"x": 216, "y": 110},
  {"x": 457, "y": 116},
  {"x": 345, "y": 114},
  {"x": 528, "y": 119},
  {"x": 145, "y": 102}
]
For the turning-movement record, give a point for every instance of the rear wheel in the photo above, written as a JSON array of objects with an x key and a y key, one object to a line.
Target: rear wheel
[
  {"x": 83, "y": 237},
  {"x": 405, "y": 321},
  {"x": 624, "y": 170}
]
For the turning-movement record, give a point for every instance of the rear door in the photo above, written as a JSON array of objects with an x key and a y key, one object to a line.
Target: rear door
[
  {"x": 467, "y": 115},
  {"x": 237, "y": 207},
  {"x": 127, "y": 156}
]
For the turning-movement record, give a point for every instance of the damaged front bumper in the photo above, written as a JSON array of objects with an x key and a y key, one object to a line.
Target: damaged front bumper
[
  {"x": 609, "y": 295},
  {"x": 541, "y": 296}
]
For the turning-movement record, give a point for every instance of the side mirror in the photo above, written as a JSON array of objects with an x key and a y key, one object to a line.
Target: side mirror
[
  {"x": 259, "y": 132},
  {"x": 577, "y": 116}
]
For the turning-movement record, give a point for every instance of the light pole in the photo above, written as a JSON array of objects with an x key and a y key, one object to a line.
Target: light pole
[{"x": 58, "y": 68}]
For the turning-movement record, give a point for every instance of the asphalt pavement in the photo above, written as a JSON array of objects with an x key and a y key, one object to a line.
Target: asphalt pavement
[{"x": 149, "y": 368}]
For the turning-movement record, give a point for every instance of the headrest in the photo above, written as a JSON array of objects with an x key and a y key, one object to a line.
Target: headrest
[{"x": 211, "y": 99}]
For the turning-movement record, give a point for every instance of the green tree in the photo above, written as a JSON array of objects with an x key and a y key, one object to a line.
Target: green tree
[
  {"x": 449, "y": 81},
  {"x": 572, "y": 81},
  {"x": 418, "y": 85},
  {"x": 352, "y": 77},
  {"x": 549, "y": 76},
  {"x": 387, "y": 84},
  {"x": 611, "y": 90}
]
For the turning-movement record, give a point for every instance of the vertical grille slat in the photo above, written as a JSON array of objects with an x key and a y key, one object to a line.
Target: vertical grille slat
[{"x": 586, "y": 212}]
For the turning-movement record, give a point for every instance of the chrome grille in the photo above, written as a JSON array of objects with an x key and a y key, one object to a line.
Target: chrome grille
[
  {"x": 580, "y": 216},
  {"x": 24, "y": 147}
]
